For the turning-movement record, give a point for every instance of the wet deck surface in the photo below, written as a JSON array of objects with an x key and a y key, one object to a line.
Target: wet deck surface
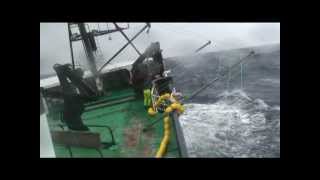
[{"x": 127, "y": 121}]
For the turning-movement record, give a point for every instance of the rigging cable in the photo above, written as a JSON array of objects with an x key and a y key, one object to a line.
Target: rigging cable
[
  {"x": 196, "y": 92},
  {"x": 98, "y": 43},
  {"x": 108, "y": 29},
  {"x": 127, "y": 38}
]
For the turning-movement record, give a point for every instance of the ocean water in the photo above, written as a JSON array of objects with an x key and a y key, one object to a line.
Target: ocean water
[
  {"x": 234, "y": 126},
  {"x": 227, "y": 119}
]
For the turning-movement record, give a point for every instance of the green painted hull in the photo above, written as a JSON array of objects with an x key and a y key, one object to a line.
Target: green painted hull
[{"x": 124, "y": 112}]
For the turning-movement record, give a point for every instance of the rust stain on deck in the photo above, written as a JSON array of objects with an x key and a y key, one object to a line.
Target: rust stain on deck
[
  {"x": 147, "y": 148},
  {"x": 132, "y": 134}
]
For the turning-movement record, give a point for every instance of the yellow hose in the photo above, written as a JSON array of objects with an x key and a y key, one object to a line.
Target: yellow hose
[
  {"x": 165, "y": 140},
  {"x": 166, "y": 122}
]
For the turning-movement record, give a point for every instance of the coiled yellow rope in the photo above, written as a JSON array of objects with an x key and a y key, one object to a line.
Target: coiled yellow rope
[{"x": 175, "y": 105}]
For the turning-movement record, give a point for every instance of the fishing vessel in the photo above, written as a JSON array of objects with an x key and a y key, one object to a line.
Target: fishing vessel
[{"x": 129, "y": 110}]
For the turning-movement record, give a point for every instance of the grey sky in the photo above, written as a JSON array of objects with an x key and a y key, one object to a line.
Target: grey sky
[{"x": 175, "y": 39}]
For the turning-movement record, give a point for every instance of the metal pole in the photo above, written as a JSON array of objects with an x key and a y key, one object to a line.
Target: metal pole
[
  {"x": 202, "y": 88},
  {"x": 125, "y": 36},
  {"x": 182, "y": 146},
  {"x": 196, "y": 92},
  {"x": 88, "y": 48},
  {"x": 229, "y": 75},
  {"x": 241, "y": 76},
  {"x": 218, "y": 66},
  {"x": 209, "y": 42},
  {"x": 119, "y": 51},
  {"x": 71, "y": 48},
  {"x": 90, "y": 55}
]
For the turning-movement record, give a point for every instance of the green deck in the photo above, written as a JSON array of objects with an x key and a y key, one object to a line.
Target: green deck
[{"x": 126, "y": 119}]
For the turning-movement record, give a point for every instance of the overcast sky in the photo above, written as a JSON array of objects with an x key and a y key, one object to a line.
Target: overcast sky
[{"x": 175, "y": 39}]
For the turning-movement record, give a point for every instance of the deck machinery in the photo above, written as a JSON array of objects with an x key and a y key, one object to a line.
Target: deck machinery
[{"x": 103, "y": 113}]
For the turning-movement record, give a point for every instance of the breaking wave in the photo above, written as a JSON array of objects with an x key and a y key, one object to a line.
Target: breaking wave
[{"x": 234, "y": 126}]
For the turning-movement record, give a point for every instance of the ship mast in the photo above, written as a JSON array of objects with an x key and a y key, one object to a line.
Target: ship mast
[{"x": 90, "y": 46}]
